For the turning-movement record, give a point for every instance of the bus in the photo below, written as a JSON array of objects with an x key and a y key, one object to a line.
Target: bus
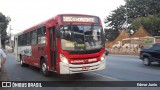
[{"x": 65, "y": 44}]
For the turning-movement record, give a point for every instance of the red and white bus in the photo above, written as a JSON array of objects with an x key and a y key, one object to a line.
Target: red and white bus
[{"x": 65, "y": 44}]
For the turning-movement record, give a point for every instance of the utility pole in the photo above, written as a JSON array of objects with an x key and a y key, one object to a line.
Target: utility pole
[
  {"x": 10, "y": 41},
  {"x": 0, "y": 41},
  {"x": 127, "y": 24}
]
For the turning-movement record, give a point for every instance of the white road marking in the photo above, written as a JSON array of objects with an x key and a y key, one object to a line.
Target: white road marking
[
  {"x": 116, "y": 79},
  {"x": 135, "y": 60},
  {"x": 125, "y": 55},
  {"x": 131, "y": 60}
]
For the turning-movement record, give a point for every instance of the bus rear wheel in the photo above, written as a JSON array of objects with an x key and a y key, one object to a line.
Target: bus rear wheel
[
  {"x": 44, "y": 69},
  {"x": 22, "y": 62}
]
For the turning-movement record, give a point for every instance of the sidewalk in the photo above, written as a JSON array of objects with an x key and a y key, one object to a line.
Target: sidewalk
[
  {"x": 3, "y": 72},
  {"x": 3, "y": 75}
]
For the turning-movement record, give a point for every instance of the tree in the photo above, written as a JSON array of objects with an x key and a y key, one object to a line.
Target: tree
[
  {"x": 134, "y": 9},
  {"x": 111, "y": 34},
  {"x": 150, "y": 23},
  {"x": 115, "y": 22},
  {"x": 4, "y": 21},
  {"x": 116, "y": 19}
]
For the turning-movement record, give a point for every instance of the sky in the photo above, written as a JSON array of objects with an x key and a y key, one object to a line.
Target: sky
[{"x": 26, "y": 13}]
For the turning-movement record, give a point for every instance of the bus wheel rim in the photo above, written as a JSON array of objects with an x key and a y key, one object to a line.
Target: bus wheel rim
[
  {"x": 21, "y": 62},
  {"x": 44, "y": 66}
]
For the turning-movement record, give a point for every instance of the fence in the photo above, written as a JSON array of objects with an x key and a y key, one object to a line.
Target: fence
[{"x": 125, "y": 51}]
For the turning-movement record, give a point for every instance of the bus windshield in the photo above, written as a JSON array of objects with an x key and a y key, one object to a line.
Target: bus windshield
[{"x": 81, "y": 37}]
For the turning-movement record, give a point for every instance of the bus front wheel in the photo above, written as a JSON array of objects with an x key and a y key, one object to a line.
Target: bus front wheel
[{"x": 44, "y": 69}]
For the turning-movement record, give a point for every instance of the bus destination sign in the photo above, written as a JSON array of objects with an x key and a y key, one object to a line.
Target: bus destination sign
[{"x": 80, "y": 19}]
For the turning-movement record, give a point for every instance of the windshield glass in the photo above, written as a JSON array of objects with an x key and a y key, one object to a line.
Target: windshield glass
[{"x": 80, "y": 37}]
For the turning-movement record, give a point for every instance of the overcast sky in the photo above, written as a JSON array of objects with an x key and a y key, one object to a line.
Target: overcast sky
[{"x": 26, "y": 13}]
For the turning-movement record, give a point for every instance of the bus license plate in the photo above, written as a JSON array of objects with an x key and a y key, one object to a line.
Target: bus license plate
[{"x": 85, "y": 67}]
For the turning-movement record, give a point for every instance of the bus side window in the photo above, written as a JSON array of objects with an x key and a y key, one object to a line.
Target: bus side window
[
  {"x": 21, "y": 40},
  {"x": 25, "y": 39},
  {"x": 18, "y": 40},
  {"x": 28, "y": 38},
  {"x": 42, "y": 35},
  {"x": 34, "y": 37}
]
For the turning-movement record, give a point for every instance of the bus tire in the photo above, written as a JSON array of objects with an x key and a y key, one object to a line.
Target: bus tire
[
  {"x": 22, "y": 62},
  {"x": 44, "y": 69}
]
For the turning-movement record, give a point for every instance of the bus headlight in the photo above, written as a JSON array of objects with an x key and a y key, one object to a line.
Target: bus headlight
[
  {"x": 103, "y": 57},
  {"x": 63, "y": 59}
]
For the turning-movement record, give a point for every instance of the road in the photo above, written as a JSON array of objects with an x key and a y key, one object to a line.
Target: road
[
  {"x": 118, "y": 68},
  {"x": 130, "y": 68}
]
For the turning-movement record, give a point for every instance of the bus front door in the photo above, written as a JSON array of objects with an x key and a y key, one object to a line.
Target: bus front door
[{"x": 52, "y": 39}]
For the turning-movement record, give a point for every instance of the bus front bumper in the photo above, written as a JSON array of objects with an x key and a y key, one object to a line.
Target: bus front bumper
[{"x": 79, "y": 68}]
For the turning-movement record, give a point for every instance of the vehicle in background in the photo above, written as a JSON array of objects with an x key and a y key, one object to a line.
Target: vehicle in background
[
  {"x": 151, "y": 54},
  {"x": 117, "y": 44},
  {"x": 107, "y": 51},
  {"x": 147, "y": 42}
]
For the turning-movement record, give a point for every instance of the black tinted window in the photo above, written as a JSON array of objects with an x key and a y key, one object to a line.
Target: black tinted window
[
  {"x": 34, "y": 37},
  {"x": 156, "y": 47},
  {"x": 41, "y": 35}
]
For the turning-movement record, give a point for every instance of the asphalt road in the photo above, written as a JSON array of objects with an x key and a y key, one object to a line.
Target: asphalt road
[
  {"x": 130, "y": 68},
  {"x": 118, "y": 68}
]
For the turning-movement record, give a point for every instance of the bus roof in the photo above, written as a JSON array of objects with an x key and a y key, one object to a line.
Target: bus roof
[
  {"x": 51, "y": 19},
  {"x": 76, "y": 15}
]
